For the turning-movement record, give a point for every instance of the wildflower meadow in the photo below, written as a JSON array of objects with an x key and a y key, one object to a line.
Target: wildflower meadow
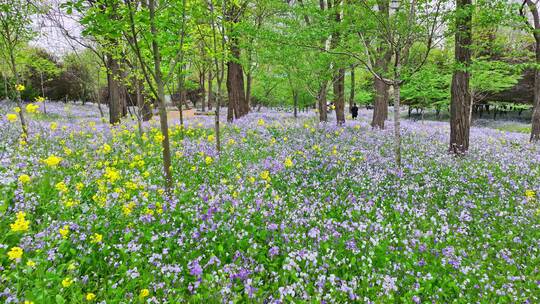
[{"x": 290, "y": 211}]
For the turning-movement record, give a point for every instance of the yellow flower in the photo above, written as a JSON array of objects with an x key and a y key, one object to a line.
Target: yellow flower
[
  {"x": 21, "y": 223},
  {"x": 40, "y": 99},
  {"x": 30, "y": 263},
  {"x": 90, "y": 296},
  {"x": 106, "y": 148},
  {"x": 530, "y": 195},
  {"x": 265, "y": 175},
  {"x": 72, "y": 267},
  {"x": 19, "y": 87},
  {"x": 211, "y": 137},
  {"x": 128, "y": 208},
  {"x": 52, "y": 160},
  {"x": 112, "y": 174},
  {"x": 17, "y": 109},
  {"x": 96, "y": 238},
  {"x": 11, "y": 117},
  {"x": 67, "y": 282},
  {"x": 144, "y": 293},
  {"x": 28, "y": 302},
  {"x": 260, "y": 122},
  {"x": 231, "y": 141},
  {"x": 288, "y": 162},
  {"x": 15, "y": 253},
  {"x": 61, "y": 187},
  {"x": 158, "y": 138},
  {"x": 67, "y": 151},
  {"x": 32, "y": 108},
  {"x": 53, "y": 126},
  {"x": 208, "y": 160},
  {"x": 24, "y": 178},
  {"x": 64, "y": 231}
]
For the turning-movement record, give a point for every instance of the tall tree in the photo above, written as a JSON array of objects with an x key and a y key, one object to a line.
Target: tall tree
[
  {"x": 460, "y": 94},
  {"x": 535, "y": 29},
  {"x": 15, "y": 32}
]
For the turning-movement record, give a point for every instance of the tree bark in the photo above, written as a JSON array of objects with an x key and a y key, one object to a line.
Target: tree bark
[
  {"x": 353, "y": 86},
  {"x": 248, "y": 90},
  {"x": 321, "y": 98},
  {"x": 339, "y": 92},
  {"x": 161, "y": 99},
  {"x": 210, "y": 93},
  {"x": 380, "y": 104},
  {"x": 295, "y": 102},
  {"x": 397, "y": 123},
  {"x": 460, "y": 100},
  {"x": 235, "y": 87},
  {"x": 116, "y": 93},
  {"x": 535, "y": 119}
]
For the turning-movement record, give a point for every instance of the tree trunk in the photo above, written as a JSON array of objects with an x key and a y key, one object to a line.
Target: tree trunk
[
  {"x": 201, "y": 86},
  {"x": 295, "y": 103},
  {"x": 460, "y": 101},
  {"x": 339, "y": 92},
  {"x": 321, "y": 98},
  {"x": 380, "y": 107},
  {"x": 353, "y": 85},
  {"x": 116, "y": 93},
  {"x": 18, "y": 94},
  {"x": 210, "y": 101},
  {"x": 248, "y": 90},
  {"x": 235, "y": 86},
  {"x": 43, "y": 93},
  {"x": 535, "y": 119},
  {"x": 397, "y": 126},
  {"x": 161, "y": 99}
]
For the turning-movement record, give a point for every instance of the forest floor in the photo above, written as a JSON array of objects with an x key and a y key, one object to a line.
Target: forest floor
[{"x": 290, "y": 211}]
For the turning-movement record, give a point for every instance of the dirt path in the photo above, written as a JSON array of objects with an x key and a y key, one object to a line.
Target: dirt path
[{"x": 174, "y": 115}]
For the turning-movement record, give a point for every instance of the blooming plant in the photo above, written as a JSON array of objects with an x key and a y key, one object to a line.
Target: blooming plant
[{"x": 289, "y": 211}]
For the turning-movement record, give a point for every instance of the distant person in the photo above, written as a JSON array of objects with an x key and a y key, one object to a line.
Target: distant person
[{"x": 354, "y": 111}]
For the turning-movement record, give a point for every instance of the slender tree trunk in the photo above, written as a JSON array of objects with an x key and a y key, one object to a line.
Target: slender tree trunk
[
  {"x": 5, "y": 86},
  {"x": 397, "y": 123},
  {"x": 18, "y": 94},
  {"x": 161, "y": 99},
  {"x": 115, "y": 91},
  {"x": 202, "y": 83},
  {"x": 140, "y": 106},
  {"x": 353, "y": 86},
  {"x": 321, "y": 98},
  {"x": 339, "y": 92},
  {"x": 210, "y": 89},
  {"x": 460, "y": 93},
  {"x": 535, "y": 119},
  {"x": 295, "y": 103},
  {"x": 248, "y": 90},
  {"x": 43, "y": 93}
]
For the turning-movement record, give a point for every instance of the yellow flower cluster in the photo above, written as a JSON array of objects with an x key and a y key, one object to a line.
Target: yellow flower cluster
[
  {"x": 112, "y": 174},
  {"x": 90, "y": 296},
  {"x": 15, "y": 253},
  {"x": 40, "y": 99},
  {"x": 260, "y": 122},
  {"x": 530, "y": 195},
  {"x": 24, "y": 178},
  {"x": 21, "y": 223},
  {"x": 265, "y": 175},
  {"x": 20, "y": 88},
  {"x": 144, "y": 293},
  {"x": 61, "y": 187},
  {"x": 32, "y": 108},
  {"x": 288, "y": 162},
  {"x": 64, "y": 231},
  {"x": 52, "y": 160},
  {"x": 67, "y": 282},
  {"x": 11, "y": 117},
  {"x": 128, "y": 208},
  {"x": 96, "y": 238},
  {"x": 208, "y": 160}
]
